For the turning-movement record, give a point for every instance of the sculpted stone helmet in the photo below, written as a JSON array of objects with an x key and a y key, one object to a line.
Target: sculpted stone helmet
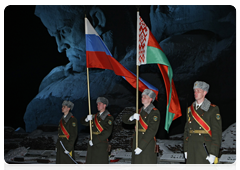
[
  {"x": 150, "y": 93},
  {"x": 68, "y": 104},
  {"x": 102, "y": 100},
  {"x": 202, "y": 85}
]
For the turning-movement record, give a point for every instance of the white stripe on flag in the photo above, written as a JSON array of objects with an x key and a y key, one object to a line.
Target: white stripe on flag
[{"x": 89, "y": 28}]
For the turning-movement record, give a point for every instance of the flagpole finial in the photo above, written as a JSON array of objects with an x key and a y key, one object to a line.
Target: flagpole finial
[
  {"x": 138, "y": 6},
  {"x": 85, "y": 11}
]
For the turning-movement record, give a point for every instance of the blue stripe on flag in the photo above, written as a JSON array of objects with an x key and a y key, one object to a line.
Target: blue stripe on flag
[{"x": 95, "y": 43}]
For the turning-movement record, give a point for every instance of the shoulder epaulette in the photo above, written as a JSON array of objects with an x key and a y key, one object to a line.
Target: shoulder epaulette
[
  {"x": 109, "y": 115},
  {"x": 213, "y": 105},
  {"x": 154, "y": 108},
  {"x": 72, "y": 116}
]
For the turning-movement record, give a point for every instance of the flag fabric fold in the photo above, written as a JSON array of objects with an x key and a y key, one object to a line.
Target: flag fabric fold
[
  {"x": 98, "y": 56},
  {"x": 150, "y": 52}
]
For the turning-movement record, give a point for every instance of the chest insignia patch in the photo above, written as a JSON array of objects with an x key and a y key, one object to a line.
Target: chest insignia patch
[{"x": 155, "y": 118}]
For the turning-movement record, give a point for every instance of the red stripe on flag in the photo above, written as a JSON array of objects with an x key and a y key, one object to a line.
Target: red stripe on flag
[
  {"x": 98, "y": 60},
  {"x": 164, "y": 71},
  {"x": 153, "y": 42},
  {"x": 174, "y": 104}
]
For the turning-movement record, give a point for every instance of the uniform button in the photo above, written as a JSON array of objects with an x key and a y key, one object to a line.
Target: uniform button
[
  {"x": 200, "y": 127},
  {"x": 190, "y": 122},
  {"x": 199, "y": 134},
  {"x": 143, "y": 133}
]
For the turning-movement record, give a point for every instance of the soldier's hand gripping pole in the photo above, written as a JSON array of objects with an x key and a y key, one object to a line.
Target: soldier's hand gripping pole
[{"x": 205, "y": 147}]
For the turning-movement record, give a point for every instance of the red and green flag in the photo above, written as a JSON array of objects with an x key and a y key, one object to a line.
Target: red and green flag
[{"x": 150, "y": 52}]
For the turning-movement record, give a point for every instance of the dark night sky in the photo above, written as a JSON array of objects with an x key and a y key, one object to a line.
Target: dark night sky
[{"x": 29, "y": 55}]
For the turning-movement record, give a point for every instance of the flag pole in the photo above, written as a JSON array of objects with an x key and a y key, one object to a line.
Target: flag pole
[
  {"x": 137, "y": 72},
  {"x": 89, "y": 104},
  {"x": 88, "y": 87}
]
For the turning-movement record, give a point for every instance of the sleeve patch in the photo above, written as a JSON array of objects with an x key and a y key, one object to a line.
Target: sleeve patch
[
  {"x": 155, "y": 118},
  {"x": 110, "y": 122},
  {"x": 218, "y": 117},
  {"x": 73, "y": 124}
]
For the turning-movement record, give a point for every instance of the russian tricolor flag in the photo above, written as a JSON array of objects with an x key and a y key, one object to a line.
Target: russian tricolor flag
[{"x": 98, "y": 56}]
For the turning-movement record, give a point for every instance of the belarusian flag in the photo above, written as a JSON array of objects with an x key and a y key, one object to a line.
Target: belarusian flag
[{"x": 150, "y": 52}]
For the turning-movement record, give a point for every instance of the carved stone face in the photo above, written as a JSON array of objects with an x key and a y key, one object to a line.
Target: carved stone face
[{"x": 66, "y": 25}]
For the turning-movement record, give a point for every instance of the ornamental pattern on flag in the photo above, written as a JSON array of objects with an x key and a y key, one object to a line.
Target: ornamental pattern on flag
[{"x": 143, "y": 40}]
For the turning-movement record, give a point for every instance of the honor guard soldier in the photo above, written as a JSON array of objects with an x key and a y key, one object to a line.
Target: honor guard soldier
[
  {"x": 67, "y": 134},
  {"x": 102, "y": 125},
  {"x": 148, "y": 123},
  {"x": 203, "y": 129}
]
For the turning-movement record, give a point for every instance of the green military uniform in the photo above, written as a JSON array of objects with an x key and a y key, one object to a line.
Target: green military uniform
[
  {"x": 98, "y": 153},
  {"x": 70, "y": 125},
  {"x": 146, "y": 138},
  {"x": 195, "y": 135}
]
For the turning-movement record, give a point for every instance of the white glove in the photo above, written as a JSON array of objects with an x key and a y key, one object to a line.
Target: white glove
[
  {"x": 90, "y": 143},
  {"x": 137, "y": 151},
  {"x": 89, "y": 117},
  {"x": 211, "y": 158},
  {"x": 66, "y": 152},
  {"x": 185, "y": 154},
  {"x": 135, "y": 116}
]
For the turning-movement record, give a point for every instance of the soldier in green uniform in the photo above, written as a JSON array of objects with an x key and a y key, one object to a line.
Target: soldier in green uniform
[
  {"x": 148, "y": 123},
  {"x": 102, "y": 125},
  {"x": 67, "y": 133},
  {"x": 203, "y": 125}
]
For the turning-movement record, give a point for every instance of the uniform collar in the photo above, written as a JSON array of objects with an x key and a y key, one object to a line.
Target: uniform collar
[
  {"x": 149, "y": 108},
  {"x": 205, "y": 105},
  {"x": 104, "y": 114},
  {"x": 67, "y": 117}
]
